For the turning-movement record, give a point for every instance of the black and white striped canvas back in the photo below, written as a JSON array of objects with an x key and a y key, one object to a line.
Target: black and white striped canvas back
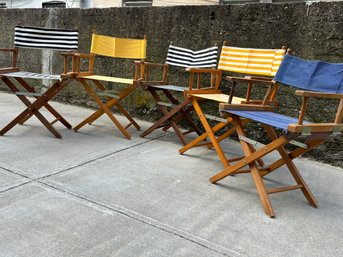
[
  {"x": 42, "y": 38},
  {"x": 183, "y": 57}
]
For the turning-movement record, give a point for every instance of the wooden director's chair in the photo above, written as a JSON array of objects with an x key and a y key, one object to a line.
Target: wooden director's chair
[
  {"x": 175, "y": 110},
  {"x": 39, "y": 38},
  {"x": 116, "y": 48},
  {"x": 262, "y": 64},
  {"x": 316, "y": 80}
]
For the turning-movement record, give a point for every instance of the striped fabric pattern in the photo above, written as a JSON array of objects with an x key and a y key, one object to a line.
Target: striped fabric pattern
[
  {"x": 31, "y": 75},
  {"x": 263, "y": 62},
  {"x": 187, "y": 58},
  {"x": 42, "y": 38}
]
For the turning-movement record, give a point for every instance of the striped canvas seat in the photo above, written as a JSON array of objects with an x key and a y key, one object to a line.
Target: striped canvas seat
[
  {"x": 31, "y": 75},
  {"x": 187, "y": 58},
  {"x": 251, "y": 61}
]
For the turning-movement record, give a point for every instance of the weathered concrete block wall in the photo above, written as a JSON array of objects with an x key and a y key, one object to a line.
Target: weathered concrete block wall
[{"x": 313, "y": 31}]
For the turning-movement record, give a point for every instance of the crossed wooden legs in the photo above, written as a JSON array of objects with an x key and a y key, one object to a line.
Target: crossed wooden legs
[
  {"x": 179, "y": 112},
  {"x": 33, "y": 108},
  {"x": 251, "y": 157},
  {"x": 105, "y": 108}
]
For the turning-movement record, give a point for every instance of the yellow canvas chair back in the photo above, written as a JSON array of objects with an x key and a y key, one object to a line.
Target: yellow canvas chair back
[
  {"x": 97, "y": 85},
  {"x": 261, "y": 62},
  {"x": 119, "y": 47}
]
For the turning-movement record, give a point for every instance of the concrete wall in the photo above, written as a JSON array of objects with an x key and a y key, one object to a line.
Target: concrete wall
[{"x": 313, "y": 31}]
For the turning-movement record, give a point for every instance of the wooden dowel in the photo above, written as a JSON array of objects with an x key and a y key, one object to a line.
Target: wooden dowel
[{"x": 302, "y": 111}]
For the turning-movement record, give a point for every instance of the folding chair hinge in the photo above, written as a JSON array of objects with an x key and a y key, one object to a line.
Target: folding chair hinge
[
  {"x": 297, "y": 143},
  {"x": 306, "y": 131},
  {"x": 166, "y": 104},
  {"x": 108, "y": 94},
  {"x": 28, "y": 93},
  {"x": 211, "y": 117},
  {"x": 336, "y": 132},
  {"x": 251, "y": 141}
]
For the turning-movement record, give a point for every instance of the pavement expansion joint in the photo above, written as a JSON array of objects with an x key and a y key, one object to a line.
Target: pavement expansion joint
[
  {"x": 69, "y": 168},
  {"x": 148, "y": 221}
]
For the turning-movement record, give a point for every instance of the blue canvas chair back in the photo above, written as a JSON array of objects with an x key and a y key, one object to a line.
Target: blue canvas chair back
[{"x": 311, "y": 75}]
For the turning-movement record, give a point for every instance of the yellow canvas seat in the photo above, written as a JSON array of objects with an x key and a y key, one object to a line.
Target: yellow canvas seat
[
  {"x": 114, "y": 48},
  {"x": 242, "y": 61}
]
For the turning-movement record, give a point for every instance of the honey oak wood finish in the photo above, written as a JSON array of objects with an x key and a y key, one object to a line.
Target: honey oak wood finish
[
  {"x": 238, "y": 103},
  {"x": 113, "y": 98},
  {"x": 310, "y": 136}
]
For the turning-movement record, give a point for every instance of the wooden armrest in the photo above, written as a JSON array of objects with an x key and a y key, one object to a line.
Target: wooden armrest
[
  {"x": 259, "y": 78},
  {"x": 318, "y": 94},
  {"x": 250, "y": 80},
  {"x": 83, "y": 55},
  {"x": 207, "y": 90},
  {"x": 8, "y": 49},
  {"x": 245, "y": 107},
  {"x": 152, "y": 64},
  {"x": 196, "y": 70}
]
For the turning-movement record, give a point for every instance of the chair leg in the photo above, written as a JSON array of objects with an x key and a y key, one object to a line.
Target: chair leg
[
  {"x": 168, "y": 116},
  {"x": 118, "y": 105},
  {"x": 105, "y": 109},
  {"x": 293, "y": 169},
  {"x": 46, "y": 105},
  {"x": 254, "y": 170},
  {"x": 210, "y": 133},
  {"x": 184, "y": 114},
  {"x": 32, "y": 108},
  {"x": 127, "y": 115}
]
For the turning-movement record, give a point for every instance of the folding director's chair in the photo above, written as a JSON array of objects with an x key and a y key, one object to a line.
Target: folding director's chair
[
  {"x": 39, "y": 38},
  {"x": 116, "y": 48},
  {"x": 257, "y": 62},
  {"x": 316, "y": 80},
  {"x": 175, "y": 111}
]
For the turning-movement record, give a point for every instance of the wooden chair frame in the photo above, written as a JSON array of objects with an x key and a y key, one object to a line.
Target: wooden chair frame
[
  {"x": 175, "y": 110},
  {"x": 41, "y": 99},
  {"x": 112, "y": 98},
  {"x": 246, "y": 103},
  {"x": 311, "y": 135}
]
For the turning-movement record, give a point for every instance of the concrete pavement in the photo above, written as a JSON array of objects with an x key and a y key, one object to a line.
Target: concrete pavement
[{"x": 94, "y": 193}]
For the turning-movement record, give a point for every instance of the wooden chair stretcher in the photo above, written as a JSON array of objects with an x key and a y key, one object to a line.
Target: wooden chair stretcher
[
  {"x": 296, "y": 131},
  {"x": 114, "y": 48},
  {"x": 174, "y": 110}
]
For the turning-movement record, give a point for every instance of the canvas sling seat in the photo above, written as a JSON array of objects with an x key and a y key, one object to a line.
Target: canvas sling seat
[
  {"x": 112, "y": 47},
  {"x": 166, "y": 95},
  {"x": 261, "y": 65},
  {"x": 39, "y": 38},
  {"x": 314, "y": 79}
]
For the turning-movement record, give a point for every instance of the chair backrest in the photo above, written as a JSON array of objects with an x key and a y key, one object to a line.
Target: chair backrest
[
  {"x": 253, "y": 61},
  {"x": 119, "y": 47},
  {"x": 42, "y": 38},
  {"x": 187, "y": 58},
  {"x": 311, "y": 75}
]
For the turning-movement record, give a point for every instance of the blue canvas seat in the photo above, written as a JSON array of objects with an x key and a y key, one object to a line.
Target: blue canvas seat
[{"x": 315, "y": 79}]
